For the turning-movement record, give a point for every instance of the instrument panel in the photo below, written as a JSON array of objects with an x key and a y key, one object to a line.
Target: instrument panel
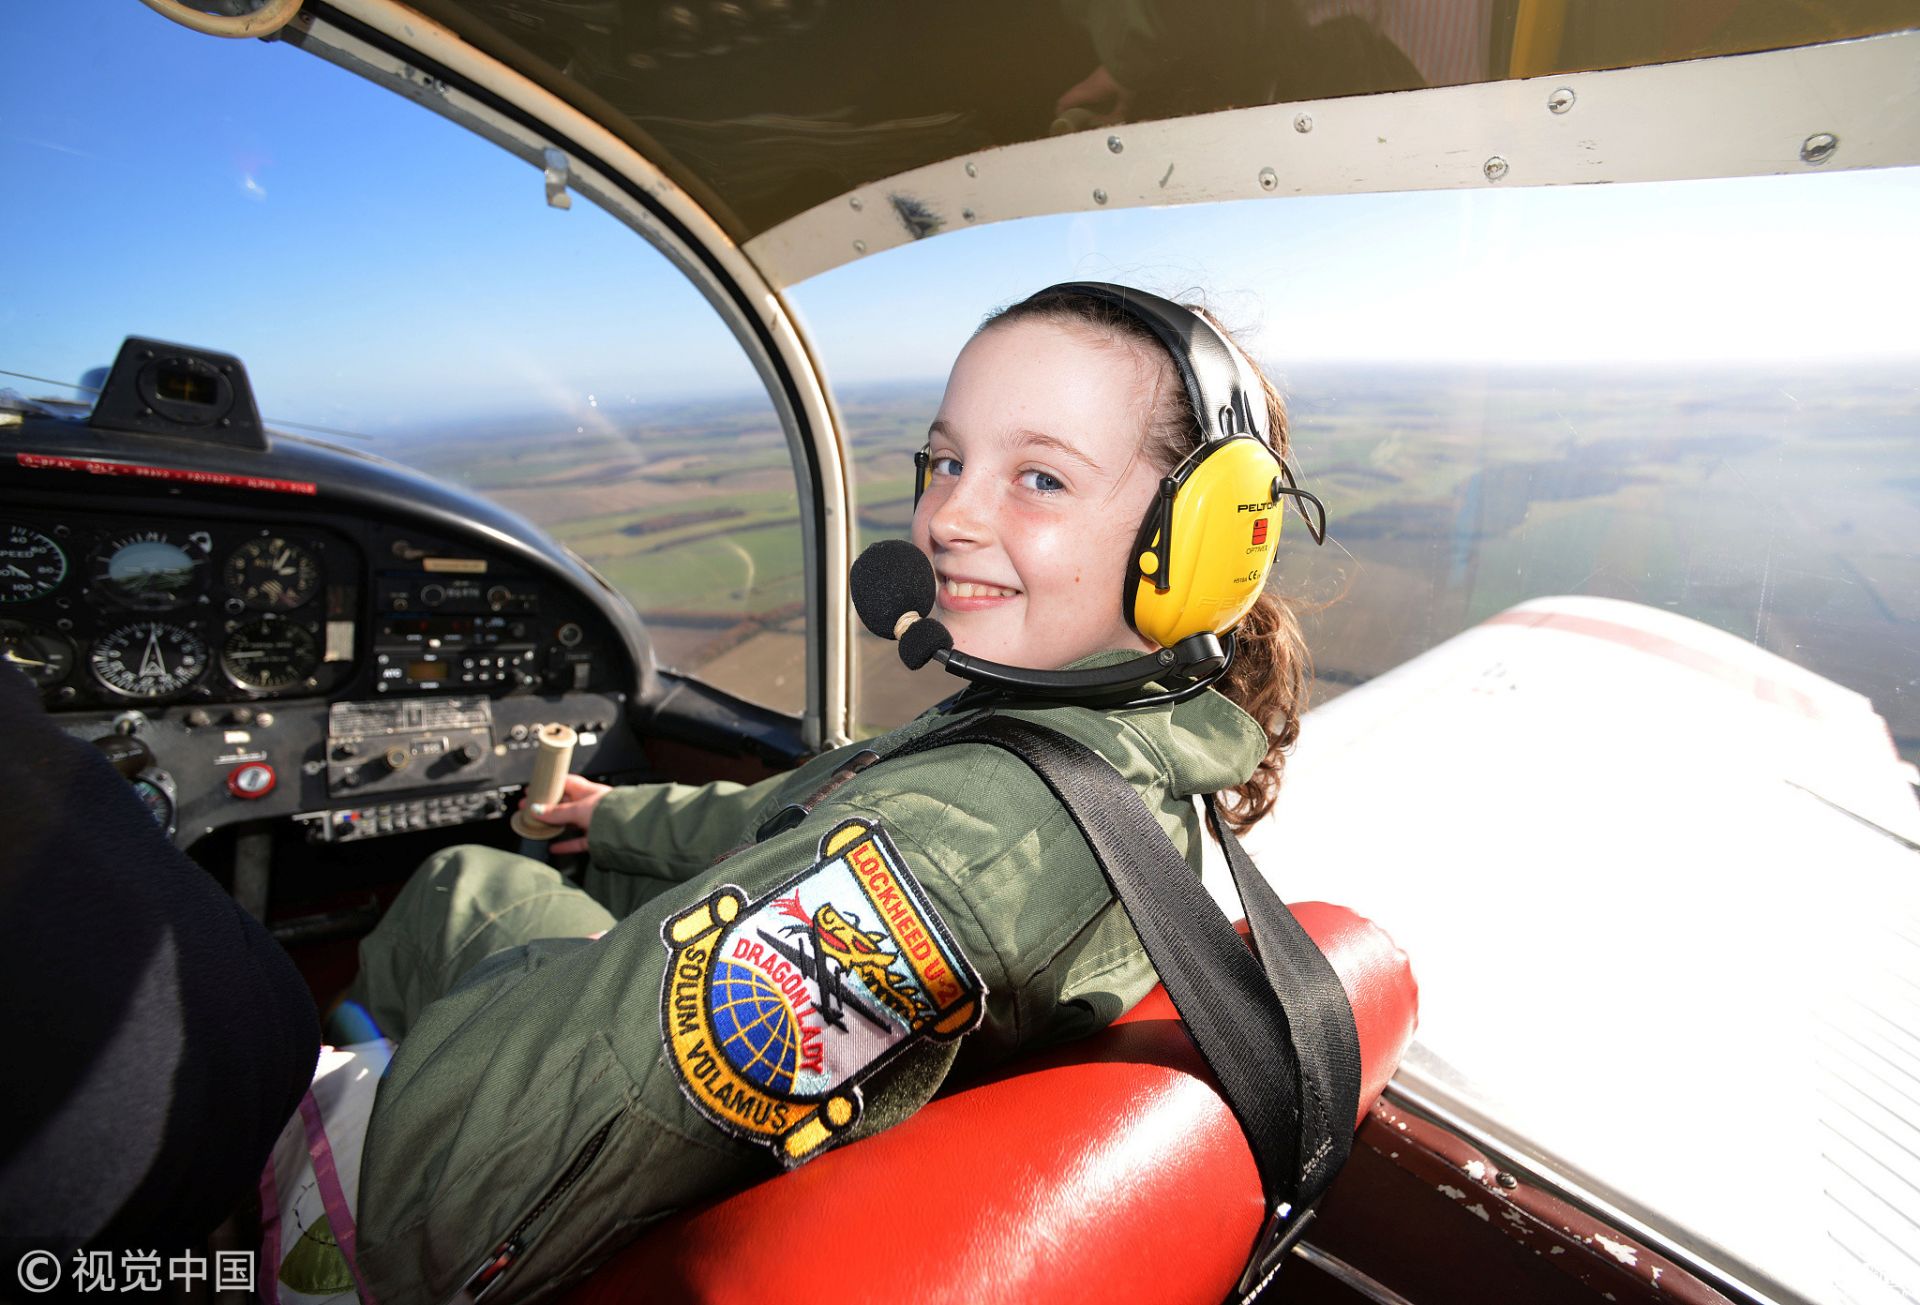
[
  {"x": 142, "y": 610},
  {"x": 231, "y": 661},
  {"x": 148, "y": 610}
]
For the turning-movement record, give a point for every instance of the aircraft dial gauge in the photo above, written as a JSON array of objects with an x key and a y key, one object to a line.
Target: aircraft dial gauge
[
  {"x": 271, "y": 574},
  {"x": 151, "y": 572},
  {"x": 269, "y": 653},
  {"x": 149, "y": 659},
  {"x": 31, "y": 565},
  {"x": 45, "y": 657},
  {"x": 155, "y": 791}
]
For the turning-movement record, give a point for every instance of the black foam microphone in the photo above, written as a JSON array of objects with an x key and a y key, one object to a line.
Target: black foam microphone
[
  {"x": 893, "y": 588},
  {"x": 924, "y": 640}
]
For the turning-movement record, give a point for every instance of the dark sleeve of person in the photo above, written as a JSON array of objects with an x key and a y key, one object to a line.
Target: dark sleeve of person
[{"x": 153, "y": 1037}]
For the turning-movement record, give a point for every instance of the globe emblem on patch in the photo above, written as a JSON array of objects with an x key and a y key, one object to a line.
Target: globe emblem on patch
[{"x": 755, "y": 1026}]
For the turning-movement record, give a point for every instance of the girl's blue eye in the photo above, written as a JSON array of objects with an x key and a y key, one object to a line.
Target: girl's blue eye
[
  {"x": 1042, "y": 482},
  {"x": 944, "y": 464}
]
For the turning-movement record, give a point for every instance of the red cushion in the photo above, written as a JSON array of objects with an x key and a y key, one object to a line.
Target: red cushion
[{"x": 1107, "y": 1169}]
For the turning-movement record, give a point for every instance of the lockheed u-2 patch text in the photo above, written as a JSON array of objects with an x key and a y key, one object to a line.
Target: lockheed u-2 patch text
[{"x": 775, "y": 1010}]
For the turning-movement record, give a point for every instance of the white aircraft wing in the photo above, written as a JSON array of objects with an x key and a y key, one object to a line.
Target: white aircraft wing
[{"x": 1661, "y": 891}]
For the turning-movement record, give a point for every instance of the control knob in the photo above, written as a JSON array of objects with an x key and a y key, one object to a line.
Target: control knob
[{"x": 128, "y": 754}]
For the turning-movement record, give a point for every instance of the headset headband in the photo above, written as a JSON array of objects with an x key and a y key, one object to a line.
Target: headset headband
[{"x": 1227, "y": 398}]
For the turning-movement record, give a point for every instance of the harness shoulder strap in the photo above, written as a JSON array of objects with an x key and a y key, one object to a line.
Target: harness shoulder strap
[{"x": 1277, "y": 1031}]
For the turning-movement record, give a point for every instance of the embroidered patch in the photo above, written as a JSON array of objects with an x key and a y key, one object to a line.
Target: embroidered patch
[{"x": 774, "y": 1011}]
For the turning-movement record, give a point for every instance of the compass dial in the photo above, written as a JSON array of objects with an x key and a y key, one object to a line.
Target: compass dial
[
  {"x": 31, "y": 565},
  {"x": 269, "y": 653},
  {"x": 271, "y": 574},
  {"x": 44, "y": 656},
  {"x": 149, "y": 659},
  {"x": 150, "y": 571}
]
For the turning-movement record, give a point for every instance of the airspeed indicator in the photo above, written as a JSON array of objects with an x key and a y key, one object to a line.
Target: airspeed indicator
[
  {"x": 149, "y": 659},
  {"x": 31, "y": 565}
]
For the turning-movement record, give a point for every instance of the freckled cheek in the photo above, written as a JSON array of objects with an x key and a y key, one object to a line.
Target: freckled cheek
[
  {"x": 1047, "y": 554},
  {"x": 1077, "y": 560}
]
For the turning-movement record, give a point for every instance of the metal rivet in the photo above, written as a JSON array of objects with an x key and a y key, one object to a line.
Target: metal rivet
[
  {"x": 966, "y": 215},
  {"x": 1114, "y": 145},
  {"x": 1302, "y": 123},
  {"x": 1269, "y": 179},
  {"x": 855, "y": 204},
  {"x": 1495, "y": 168},
  {"x": 859, "y": 246},
  {"x": 1561, "y": 100},
  {"x": 972, "y": 171},
  {"x": 1099, "y": 196},
  {"x": 1817, "y": 149},
  {"x": 1506, "y": 1180}
]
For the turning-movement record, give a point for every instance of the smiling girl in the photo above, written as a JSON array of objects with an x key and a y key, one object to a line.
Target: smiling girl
[{"x": 878, "y": 916}]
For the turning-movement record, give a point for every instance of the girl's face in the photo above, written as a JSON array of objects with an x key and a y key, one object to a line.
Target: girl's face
[{"x": 1036, "y": 487}]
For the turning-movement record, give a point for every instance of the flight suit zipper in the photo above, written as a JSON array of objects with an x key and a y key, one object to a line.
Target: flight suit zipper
[{"x": 503, "y": 1256}]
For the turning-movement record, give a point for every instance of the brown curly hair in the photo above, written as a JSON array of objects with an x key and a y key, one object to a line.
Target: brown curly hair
[{"x": 1271, "y": 672}]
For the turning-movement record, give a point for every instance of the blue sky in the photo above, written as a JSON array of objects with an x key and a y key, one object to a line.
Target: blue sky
[{"x": 376, "y": 265}]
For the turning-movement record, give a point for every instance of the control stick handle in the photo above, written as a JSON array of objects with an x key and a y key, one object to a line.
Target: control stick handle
[{"x": 550, "y": 766}]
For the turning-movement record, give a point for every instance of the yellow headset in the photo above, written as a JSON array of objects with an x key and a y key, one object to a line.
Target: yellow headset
[{"x": 1204, "y": 550}]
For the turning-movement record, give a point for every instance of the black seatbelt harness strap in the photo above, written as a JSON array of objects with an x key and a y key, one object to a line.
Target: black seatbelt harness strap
[{"x": 1276, "y": 1029}]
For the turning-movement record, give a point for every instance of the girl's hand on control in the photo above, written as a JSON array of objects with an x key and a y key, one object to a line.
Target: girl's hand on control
[{"x": 578, "y": 797}]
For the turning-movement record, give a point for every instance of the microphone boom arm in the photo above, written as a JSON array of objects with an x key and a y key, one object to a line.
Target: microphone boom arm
[{"x": 1198, "y": 657}]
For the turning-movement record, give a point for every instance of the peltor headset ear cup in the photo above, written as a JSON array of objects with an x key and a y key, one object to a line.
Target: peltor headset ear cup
[
  {"x": 1224, "y": 529},
  {"x": 1199, "y": 560}
]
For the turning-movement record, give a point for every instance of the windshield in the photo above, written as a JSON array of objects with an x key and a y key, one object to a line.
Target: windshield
[
  {"x": 398, "y": 285},
  {"x": 1646, "y": 839},
  {"x": 1637, "y": 392}
]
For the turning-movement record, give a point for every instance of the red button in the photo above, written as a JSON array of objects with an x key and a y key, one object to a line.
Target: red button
[{"x": 253, "y": 780}]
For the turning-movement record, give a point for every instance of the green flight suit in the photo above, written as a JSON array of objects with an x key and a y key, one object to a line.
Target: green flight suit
[{"x": 533, "y": 1052}]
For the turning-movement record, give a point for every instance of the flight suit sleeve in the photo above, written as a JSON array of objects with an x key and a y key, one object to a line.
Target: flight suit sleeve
[
  {"x": 1020, "y": 889},
  {"x": 546, "y": 1105},
  {"x": 540, "y": 1105},
  {"x": 647, "y": 837}
]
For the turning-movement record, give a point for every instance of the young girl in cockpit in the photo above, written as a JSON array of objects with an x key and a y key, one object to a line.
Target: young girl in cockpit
[{"x": 763, "y": 951}]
